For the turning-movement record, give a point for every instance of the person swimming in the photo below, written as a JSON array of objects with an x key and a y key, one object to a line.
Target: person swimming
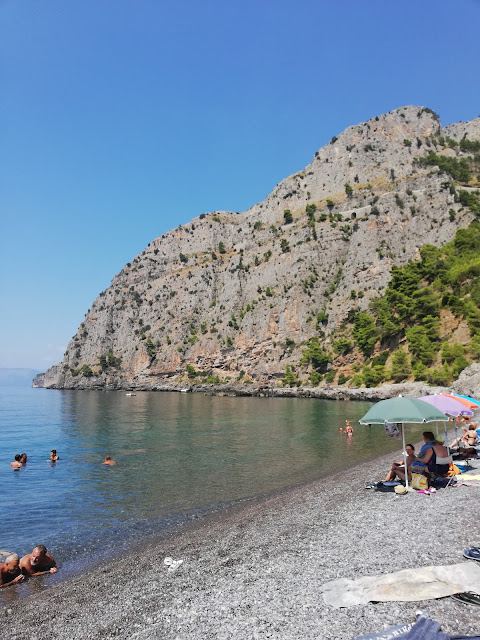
[
  {"x": 53, "y": 455},
  {"x": 17, "y": 463}
]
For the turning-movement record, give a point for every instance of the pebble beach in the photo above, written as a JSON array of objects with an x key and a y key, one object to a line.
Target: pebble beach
[{"x": 255, "y": 571}]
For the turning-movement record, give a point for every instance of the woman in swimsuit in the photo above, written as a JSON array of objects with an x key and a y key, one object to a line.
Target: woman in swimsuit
[{"x": 471, "y": 436}]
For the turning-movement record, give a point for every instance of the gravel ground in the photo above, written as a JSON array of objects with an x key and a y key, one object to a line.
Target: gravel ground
[{"x": 255, "y": 571}]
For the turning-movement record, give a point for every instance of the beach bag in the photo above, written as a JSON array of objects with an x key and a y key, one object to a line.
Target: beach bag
[{"x": 419, "y": 482}]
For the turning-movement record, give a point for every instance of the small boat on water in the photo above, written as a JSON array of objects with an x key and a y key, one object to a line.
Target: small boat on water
[
  {"x": 185, "y": 390},
  {"x": 130, "y": 394}
]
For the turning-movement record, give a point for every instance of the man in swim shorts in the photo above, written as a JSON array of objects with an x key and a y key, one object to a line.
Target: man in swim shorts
[
  {"x": 38, "y": 562},
  {"x": 10, "y": 572}
]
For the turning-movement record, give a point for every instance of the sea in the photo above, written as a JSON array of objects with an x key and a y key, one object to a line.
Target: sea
[{"x": 180, "y": 456}]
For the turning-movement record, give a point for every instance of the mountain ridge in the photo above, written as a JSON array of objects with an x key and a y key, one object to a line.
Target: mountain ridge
[{"x": 238, "y": 296}]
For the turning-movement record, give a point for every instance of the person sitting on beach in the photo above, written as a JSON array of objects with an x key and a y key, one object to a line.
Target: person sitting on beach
[
  {"x": 53, "y": 455},
  {"x": 109, "y": 461},
  {"x": 439, "y": 450},
  {"x": 38, "y": 562},
  {"x": 17, "y": 463},
  {"x": 468, "y": 439},
  {"x": 419, "y": 464},
  {"x": 10, "y": 572},
  {"x": 23, "y": 459},
  {"x": 398, "y": 468},
  {"x": 471, "y": 435}
]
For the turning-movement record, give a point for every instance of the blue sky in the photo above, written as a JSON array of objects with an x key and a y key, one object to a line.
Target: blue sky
[{"x": 120, "y": 120}]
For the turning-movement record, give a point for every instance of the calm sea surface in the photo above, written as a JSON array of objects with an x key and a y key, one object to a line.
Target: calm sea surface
[{"x": 179, "y": 455}]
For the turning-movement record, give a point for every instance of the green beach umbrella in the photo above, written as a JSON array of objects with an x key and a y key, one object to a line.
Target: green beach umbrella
[{"x": 404, "y": 411}]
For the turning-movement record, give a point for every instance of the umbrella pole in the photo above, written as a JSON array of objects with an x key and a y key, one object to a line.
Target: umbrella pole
[{"x": 404, "y": 456}]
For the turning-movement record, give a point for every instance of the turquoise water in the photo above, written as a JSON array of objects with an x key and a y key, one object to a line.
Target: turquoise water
[{"x": 179, "y": 455}]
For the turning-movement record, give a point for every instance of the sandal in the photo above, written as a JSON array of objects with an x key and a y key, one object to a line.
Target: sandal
[
  {"x": 472, "y": 553},
  {"x": 467, "y": 598}
]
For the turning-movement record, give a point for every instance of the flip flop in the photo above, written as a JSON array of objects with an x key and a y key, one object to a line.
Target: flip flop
[
  {"x": 467, "y": 598},
  {"x": 472, "y": 553}
]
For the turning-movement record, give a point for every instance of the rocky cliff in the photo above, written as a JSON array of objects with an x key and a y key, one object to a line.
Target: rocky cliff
[{"x": 235, "y": 296}]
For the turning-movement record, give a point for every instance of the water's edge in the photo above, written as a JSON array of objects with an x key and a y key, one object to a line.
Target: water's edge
[{"x": 185, "y": 524}]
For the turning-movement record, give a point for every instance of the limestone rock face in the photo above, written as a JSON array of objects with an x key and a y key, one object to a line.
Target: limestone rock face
[
  {"x": 236, "y": 294},
  {"x": 468, "y": 383}
]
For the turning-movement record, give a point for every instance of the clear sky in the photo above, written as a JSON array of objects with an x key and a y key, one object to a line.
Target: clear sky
[{"x": 120, "y": 120}]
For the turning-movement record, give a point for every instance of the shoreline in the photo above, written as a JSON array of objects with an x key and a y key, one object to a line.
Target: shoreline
[
  {"x": 468, "y": 383},
  {"x": 255, "y": 569},
  {"x": 329, "y": 392}
]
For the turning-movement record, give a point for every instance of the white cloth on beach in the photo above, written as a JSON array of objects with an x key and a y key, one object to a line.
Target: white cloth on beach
[
  {"x": 471, "y": 479},
  {"x": 408, "y": 585}
]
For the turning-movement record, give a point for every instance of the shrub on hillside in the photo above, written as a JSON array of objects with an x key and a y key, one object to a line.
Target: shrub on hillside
[{"x": 365, "y": 333}]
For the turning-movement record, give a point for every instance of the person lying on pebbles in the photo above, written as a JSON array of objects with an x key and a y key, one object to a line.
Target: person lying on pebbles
[
  {"x": 10, "y": 572},
  {"x": 38, "y": 562}
]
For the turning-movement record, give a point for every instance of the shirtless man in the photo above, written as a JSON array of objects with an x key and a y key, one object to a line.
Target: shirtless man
[
  {"x": 398, "y": 468},
  {"x": 16, "y": 464},
  {"x": 38, "y": 562},
  {"x": 109, "y": 461},
  {"x": 10, "y": 572}
]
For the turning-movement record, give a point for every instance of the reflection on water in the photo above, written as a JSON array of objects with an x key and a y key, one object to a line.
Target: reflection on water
[{"x": 176, "y": 454}]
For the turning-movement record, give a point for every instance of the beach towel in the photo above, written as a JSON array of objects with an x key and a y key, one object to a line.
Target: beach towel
[
  {"x": 408, "y": 585},
  {"x": 469, "y": 479},
  {"x": 422, "y": 629}
]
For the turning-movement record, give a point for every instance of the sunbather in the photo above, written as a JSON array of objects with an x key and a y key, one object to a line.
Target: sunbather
[
  {"x": 398, "y": 468},
  {"x": 468, "y": 439}
]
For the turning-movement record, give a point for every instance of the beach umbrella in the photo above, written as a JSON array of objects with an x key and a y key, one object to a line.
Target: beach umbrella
[
  {"x": 474, "y": 405},
  {"x": 459, "y": 395},
  {"x": 450, "y": 406},
  {"x": 467, "y": 403},
  {"x": 404, "y": 411}
]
